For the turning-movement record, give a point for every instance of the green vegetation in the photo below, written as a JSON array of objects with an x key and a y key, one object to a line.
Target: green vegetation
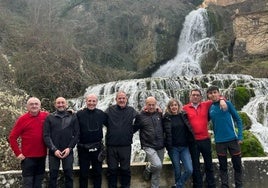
[
  {"x": 11, "y": 106},
  {"x": 197, "y": 2},
  {"x": 215, "y": 21},
  {"x": 246, "y": 120},
  {"x": 251, "y": 147},
  {"x": 242, "y": 96}
]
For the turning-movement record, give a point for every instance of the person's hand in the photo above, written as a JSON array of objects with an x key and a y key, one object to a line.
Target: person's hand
[
  {"x": 58, "y": 154},
  {"x": 240, "y": 141},
  {"x": 223, "y": 105},
  {"x": 65, "y": 152},
  {"x": 21, "y": 157},
  {"x": 158, "y": 109}
]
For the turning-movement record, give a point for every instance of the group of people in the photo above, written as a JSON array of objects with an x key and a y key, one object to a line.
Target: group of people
[{"x": 182, "y": 130}]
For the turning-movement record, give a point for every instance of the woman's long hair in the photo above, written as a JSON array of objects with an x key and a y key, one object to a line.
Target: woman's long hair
[{"x": 172, "y": 100}]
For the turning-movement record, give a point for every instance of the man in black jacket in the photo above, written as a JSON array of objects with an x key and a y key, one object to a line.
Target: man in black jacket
[
  {"x": 61, "y": 131},
  {"x": 91, "y": 121},
  {"x": 119, "y": 139},
  {"x": 149, "y": 122}
]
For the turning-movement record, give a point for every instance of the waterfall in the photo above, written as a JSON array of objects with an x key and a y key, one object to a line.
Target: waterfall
[
  {"x": 178, "y": 76},
  {"x": 257, "y": 110},
  {"x": 193, "y": 45},
  {"x": 165, "y": 88}
]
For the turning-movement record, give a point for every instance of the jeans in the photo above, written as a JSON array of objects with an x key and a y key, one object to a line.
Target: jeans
[
  {"x": 118, "y": 155},
  {"x": 177, "y": 155},
  {"x": 67, "y": 165},
  {"x": 86, "y": 159},
  {"x": 155, "y": 158},
  {"x": 203, "y": 147},
  {"x": 33, "y": 170}
]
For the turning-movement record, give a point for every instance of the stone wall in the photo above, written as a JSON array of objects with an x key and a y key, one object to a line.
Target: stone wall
[
  {"x": 251, "y": 34},
  {"x": 255, "y": 175},
  {"x": 223, "y": 2}
]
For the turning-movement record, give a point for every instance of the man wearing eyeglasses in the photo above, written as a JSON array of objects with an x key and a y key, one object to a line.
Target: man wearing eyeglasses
[{"x": 197, "y": 112}]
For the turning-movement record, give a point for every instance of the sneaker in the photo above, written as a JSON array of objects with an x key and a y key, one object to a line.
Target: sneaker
[{"x": 146, "y": 175}]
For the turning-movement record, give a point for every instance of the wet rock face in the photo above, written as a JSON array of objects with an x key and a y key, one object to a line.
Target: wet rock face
[{"x": 131, "y": 35}]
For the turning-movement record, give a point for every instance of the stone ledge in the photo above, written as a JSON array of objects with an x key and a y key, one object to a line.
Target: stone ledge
[{"x": 255, "y": 175}]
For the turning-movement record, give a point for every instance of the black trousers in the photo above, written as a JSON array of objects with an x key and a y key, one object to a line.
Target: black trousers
[
  {"x": 86, "y": 159},
  {"x": 33, "y": 169},
  {"x": 119, "y": 156},
  {"x": 234, "y": 149},
  {"x": 67, "y": 165},
  {"x": 202, "y": 147}
]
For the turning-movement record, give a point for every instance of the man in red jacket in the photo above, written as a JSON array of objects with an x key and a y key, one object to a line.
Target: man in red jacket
[
  {"x": 197, "y": 112},
  {"x": 32, "y": 150}
]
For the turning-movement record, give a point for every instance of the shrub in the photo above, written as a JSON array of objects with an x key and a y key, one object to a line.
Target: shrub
[
  {"x": 246, "y": 120},
  {"x": 251, "y": 147},
  {"x": 242, "y": 96}
]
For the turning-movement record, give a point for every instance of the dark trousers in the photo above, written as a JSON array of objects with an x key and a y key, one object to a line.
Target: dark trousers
[
  {"x": 67, "y": 165},
  {"x": 202, "y": 147},
  {"x": 234, "y": 149},
  {"x": 118, "y": 156},
  {"x": 86, "y": 159},
  {"x": 33, "y": 169}
]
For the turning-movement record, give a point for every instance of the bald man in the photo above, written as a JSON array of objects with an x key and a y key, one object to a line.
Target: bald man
[
  {"x": 61, "y": 131},
  {"x": 29, "y": 127},
  {"x": 149, "y": 123},
  {"x": 91, "y": 121},
  {"x": 119, "y": 135}
]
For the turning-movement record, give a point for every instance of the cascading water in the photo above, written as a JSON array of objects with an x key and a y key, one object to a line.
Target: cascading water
[
  {"x": 169, "y": 81},
  {"x": 193, "y": 45},
  {"x": 165, "y": 88},
  {"x": 257, "y": 110}
]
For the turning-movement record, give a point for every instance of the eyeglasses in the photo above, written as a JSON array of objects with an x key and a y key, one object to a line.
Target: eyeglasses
[{"x": 195, "y": 95}]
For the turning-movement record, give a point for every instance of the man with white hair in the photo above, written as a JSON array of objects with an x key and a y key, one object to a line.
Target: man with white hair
[{"x": 32, "y": 152}]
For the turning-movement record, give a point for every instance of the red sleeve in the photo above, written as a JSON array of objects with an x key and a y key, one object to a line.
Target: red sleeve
[{"x": 14, "y": 135}]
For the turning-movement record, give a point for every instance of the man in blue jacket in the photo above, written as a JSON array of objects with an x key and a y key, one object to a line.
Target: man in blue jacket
[{"x": 226, "y": 136}]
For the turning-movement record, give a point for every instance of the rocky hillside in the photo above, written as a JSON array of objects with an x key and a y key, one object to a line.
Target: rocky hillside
[{"x": 78, "y": 43}]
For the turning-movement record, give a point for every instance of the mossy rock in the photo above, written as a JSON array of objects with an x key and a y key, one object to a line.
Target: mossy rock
[
  {"x": 242, "y": 96},
  {"x": 245, "y": 120},
  {"x": 251, "y": 146}
]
